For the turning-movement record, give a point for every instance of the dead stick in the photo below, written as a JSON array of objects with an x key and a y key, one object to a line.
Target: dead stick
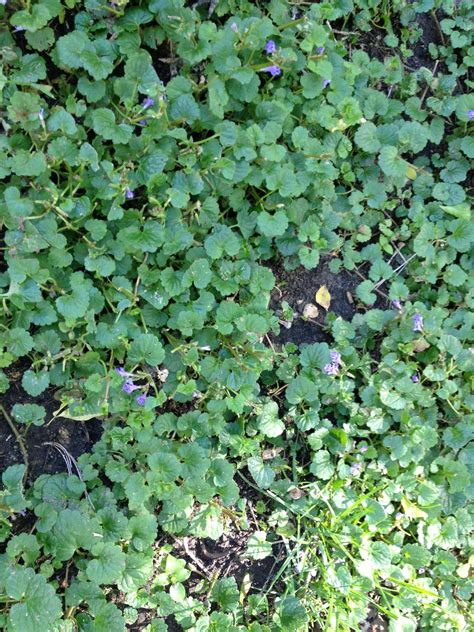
[{"x": 17, "y": 437}]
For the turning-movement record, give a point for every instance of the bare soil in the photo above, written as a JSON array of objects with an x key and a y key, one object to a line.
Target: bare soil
[
  {"x": 77, "y": 437},
  {"x": 298, "y": 288}
]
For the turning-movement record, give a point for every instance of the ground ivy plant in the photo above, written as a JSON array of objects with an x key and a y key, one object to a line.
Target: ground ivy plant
[{"x": 161, "y": 162}]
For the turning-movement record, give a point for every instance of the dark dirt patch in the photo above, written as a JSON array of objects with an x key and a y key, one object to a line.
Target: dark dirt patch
[
  {"x": 77, "y": 437},
  {"x": 298, "y": 288},
  {"x": 429, "y": 35},
  {"x": 375, "y": 622}
]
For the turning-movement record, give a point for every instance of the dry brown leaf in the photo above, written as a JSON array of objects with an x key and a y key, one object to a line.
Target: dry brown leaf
[
  {"x": 323, "y": 297},
  {"x": 310, "y": 311}
]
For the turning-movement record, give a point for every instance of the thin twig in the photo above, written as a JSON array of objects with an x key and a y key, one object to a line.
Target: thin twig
[
  {"x": 397, "y": 270},
  {"x": 70, "y": 461},
  {"x": 18, "y": 438},
  {"x": 196, "y": 560},
  {"x": 361, "y": 276}
]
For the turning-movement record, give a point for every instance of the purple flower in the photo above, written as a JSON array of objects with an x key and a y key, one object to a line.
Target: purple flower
[
  {"x": 320, "y": 50},
  {"x": 121, "y": 371},
  {"x": 415, "y": 378},
  {"x": 3, "y": 2},
  {"x": 234, "y": 27},
  {"x": 399, "y": 515},
  {"x": 418, "y": 322},
  {"x": 129, "y": 194},
  {"x": 335, "y": 357},
  {"x": 143, "y": 122},
  {"x": 363, "y": 448},
  {"x": 470, "y": 114},
  {"x": 19, "y": 28},
  {"x": 273, "y": 70},
  {"x": 331, "y": 369},
  {"x": 326, "y": 82},
  {"x": 129, "y": 387},
  {"x": 270, "y": 47},
  {"x": 141, "y": 399},
  {"x": 41, "y": 112},
  {"x": 148, "y": 103},
  {"x": 355, "y": 469},
  {"x": 397, "y": 304}
]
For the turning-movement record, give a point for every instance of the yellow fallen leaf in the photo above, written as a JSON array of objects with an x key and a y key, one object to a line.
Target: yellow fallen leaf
[
  {"x": 411, "y": 172},
  {"x": 411, "y": 510},
  {"x": 323, "y": 297}
]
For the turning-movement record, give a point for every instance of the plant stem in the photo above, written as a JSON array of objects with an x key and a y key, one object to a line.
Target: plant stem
[{"x": 17, "y": 437}]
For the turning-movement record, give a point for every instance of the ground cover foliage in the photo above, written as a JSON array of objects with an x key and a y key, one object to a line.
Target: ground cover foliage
[{"x": 160, "y": 163}]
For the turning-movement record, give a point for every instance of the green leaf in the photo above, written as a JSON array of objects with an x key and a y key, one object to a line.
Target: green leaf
[
  {"x": 35, "y": 383},
  {"x": 261, "y": 473},
  {"x": 29, "y": 414},
  {"x": 412, "y": 137},
  {"x": 25, "y": 163},
  {"x": 301, "y": 389},
  {"x": 257, "y": 546},
  {"x": 147, "y": 348},
  {"x": 69, "y": 48},
  {"x": 272, "y": 225},
  {"x": 391, "y": 398},
  {"x": 103, "y": 123},
  {"x": 290, "y": 615},
  {"x": 19, "y": 342},
  {"x": 226, "y": 593},
  {"x": 321, "y": 465},
  {"x": 37, "y": 607},
  {"x": 391, "y": 163},
  {"x": 366, "y": 138},
  {"x": 108, "y": 563},
  {"x": 218, "y": 97},
  {"x": 268, "y": 421}
]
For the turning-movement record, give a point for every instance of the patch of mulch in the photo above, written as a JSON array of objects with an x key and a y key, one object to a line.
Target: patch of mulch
[
  {"x": 77, "y": 437},
  {"x": 298, "y": 288}
]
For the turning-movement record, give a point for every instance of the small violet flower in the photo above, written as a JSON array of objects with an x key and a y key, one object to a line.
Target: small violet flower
[
  {"x": 470, "y": 114},
  {"x": 355, "y": 469},
  {"x": 331, "y": 369},
  {"x": 121, "y": 371},
  {"x": 148, "y": 103},
  {"x": 129, "y": 386},
  {"x": 234, "y": 27},
  {"x": 273, "y": 70},
  {"x": 326, "y": 82},
  {"x": 335, "y": 358},
  {"x": 270, "y": 47},
  {"x": 415, "y": 378},
  {"x": 19, "y": 28},
  {"x": 418, "y": 322},
  {"x": 397, "y": 304},
  {"x": 320, "y": 50},
  {"x": 129, "y": 194},
  {"x": 141, "y": 399},
  {"x": 363, "y": 448},
  {"x": 3, "y": 2}
]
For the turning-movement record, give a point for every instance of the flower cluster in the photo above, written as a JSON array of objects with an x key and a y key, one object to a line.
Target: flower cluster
[
  {"x": 332, "y": 368},
  {"x": 129, "y": 386},
  {"x": 470, "y": 114}
]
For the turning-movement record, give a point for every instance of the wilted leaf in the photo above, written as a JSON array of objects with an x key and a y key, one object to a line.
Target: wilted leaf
[{"x": 323, "y": 297}]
